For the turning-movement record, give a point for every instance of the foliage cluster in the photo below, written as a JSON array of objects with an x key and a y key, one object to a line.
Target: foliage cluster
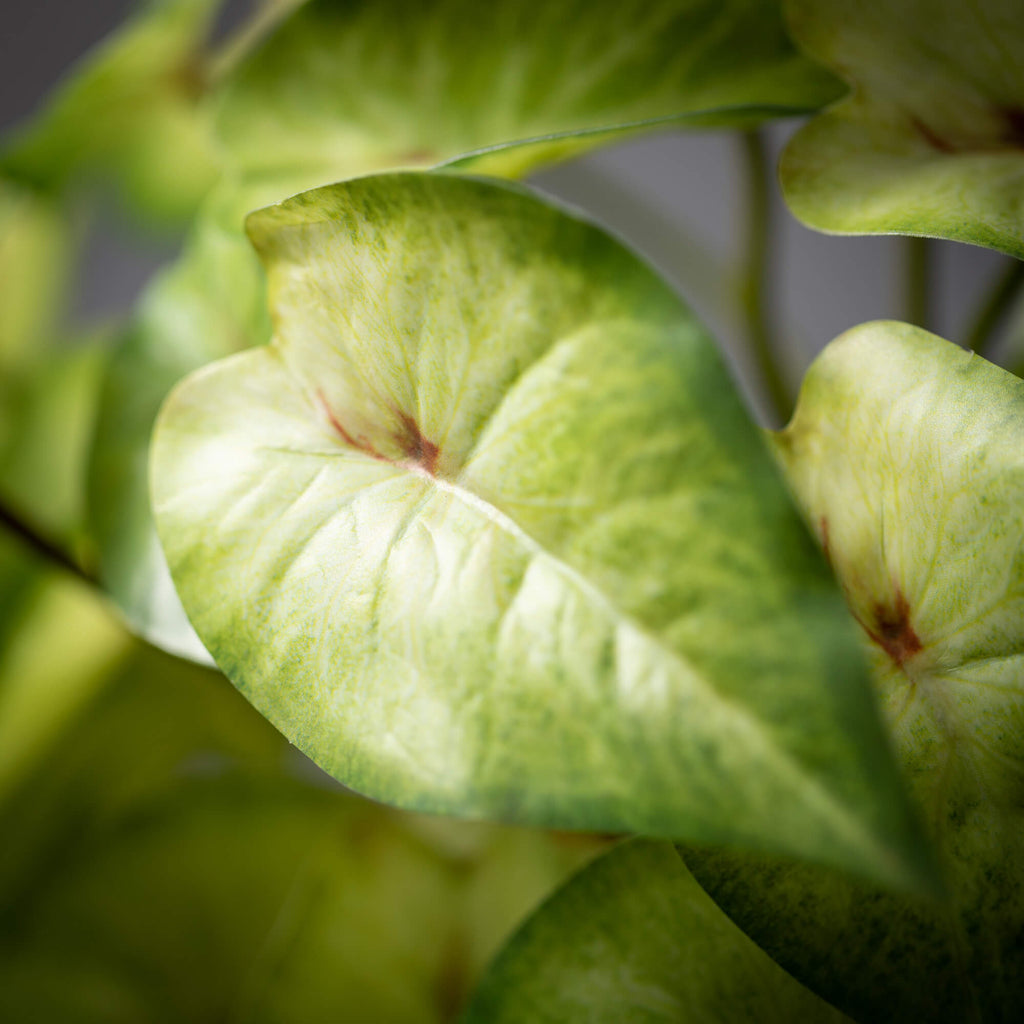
[{"x": 458, "y": 493}]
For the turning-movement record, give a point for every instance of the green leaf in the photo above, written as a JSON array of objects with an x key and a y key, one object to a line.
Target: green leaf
[
  {"x": 235, "y": 899},
  {"x": 905, "y": 452},
  {"x": 167, "y": 857},
  {"x": 209, "y": 304},
  {"x": 633, "y": 938},
  {"x": 44, "y": 449},
  {"x": 130, "y": 114},
  {"x": 348, "y": 88},
  {"x": 33, "y": 271},
  {"x": 486, "y": 530},
  {"x": 931, "y": 140},
  {"x": 41, "y": 689},
  {"x": 337, "y": 92}
]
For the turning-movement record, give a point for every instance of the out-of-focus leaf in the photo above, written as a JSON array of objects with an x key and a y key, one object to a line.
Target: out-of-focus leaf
[
  {"x": 230, "y": 899},
  {"x": 33, "y": 258},
  {"x": 346, "y": 88},
  {"x": 168, "y": 857},
  {"x": 209, "y": 304},
  {"x": 33, "y": 272},
  {"x": 57, "y": 646},
  {"x": 44, "y": 454},
  {"x": 480, "y": 529},
  {"x": 633, "y": 938},
  {"x": 906, "y": 454},
  {"x": 130, "y": 114},
  {"x": 931, "y": 140}
]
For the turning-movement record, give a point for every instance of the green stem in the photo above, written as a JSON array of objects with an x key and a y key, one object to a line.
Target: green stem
[
  {"x": 754, "y": 287},
  {"x": 994, "y": 306},
  {"x": 40, "y": 546},
  {"x": 246, "y": 37},
  {"x": 918, "y": 272}
]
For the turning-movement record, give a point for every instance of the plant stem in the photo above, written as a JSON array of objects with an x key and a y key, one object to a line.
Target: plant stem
[
  {"x": 246, "y": 37},
  {"x": 918, "y": 272},
  {"x": 40, "y": 546},
  {"x": 994, "y": 306},
  {"x": 754, "y": 287}
]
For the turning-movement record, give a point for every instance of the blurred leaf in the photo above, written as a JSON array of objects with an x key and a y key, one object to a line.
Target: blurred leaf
[
  {"x": 167, "y": 857},
  {"x": 348, "y": 88},
  {"x": 33, "y": 271},
  {"x": 632, "y": 938},
  {"x": 130, "y": 114},
  {"x": 209, "y": 304},
  {"x": 230, "y": 899},
  {"x": 45, "y": 615},
  {"x": 931, "y": 140},
  {"x": 44, "y": 451},
  {"x": 479, "y": 529},
  {"x": 905, "y": 452}
]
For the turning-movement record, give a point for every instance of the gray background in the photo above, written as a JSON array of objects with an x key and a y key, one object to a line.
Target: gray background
[{"x": 676, "y": 197}]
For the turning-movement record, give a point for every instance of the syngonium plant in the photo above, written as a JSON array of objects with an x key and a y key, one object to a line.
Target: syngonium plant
[{"x": 459, "y": 494}]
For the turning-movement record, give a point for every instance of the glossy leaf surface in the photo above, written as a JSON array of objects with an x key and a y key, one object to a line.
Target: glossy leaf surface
[
  {"x": 905, "y": 452},
  {"x": 931, "y": 140},
  {"x": 487, "y": 530},
  {"x": 343, "y": 89},
  {"x": 633, "y": 938},
  {"x": 130, "y": 114}
]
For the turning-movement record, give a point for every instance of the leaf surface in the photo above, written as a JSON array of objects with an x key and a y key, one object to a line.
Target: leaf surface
[
  {"x": 905, "y": 453},
  {"x": 633, "y": 938},
  {"x": 344, "y": 89},
  {"x": 486, "y": 530},
  {"x": 348, "y": 88},
  {"x": 931, "y": 139},
  {"x": 168, "y": 857},
  {"x": 130, "y": 114}
]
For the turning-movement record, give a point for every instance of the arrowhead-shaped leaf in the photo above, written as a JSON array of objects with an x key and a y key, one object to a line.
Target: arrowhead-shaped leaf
[
  {"x": 487, "y": 530},
  {"x": 634, "y": 938},
  {"x": 906, "y": 453},
  {"x": 931, "y": 141},
  {"x": 343, "y": 89}
]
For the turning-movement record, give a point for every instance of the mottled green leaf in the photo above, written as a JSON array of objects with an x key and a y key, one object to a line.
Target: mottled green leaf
[
  {"x": 633, "y": 938},
  {"x": 130, "y": 114},
  {"x": 906, "y": 454},
  {"x": 487, "y": 530},
  {"x": 345, "y": 88},
  {"x": 931, "y": 140}
]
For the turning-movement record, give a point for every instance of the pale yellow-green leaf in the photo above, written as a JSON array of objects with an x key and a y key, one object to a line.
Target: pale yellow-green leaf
[{"x": 931, "y": 139}]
